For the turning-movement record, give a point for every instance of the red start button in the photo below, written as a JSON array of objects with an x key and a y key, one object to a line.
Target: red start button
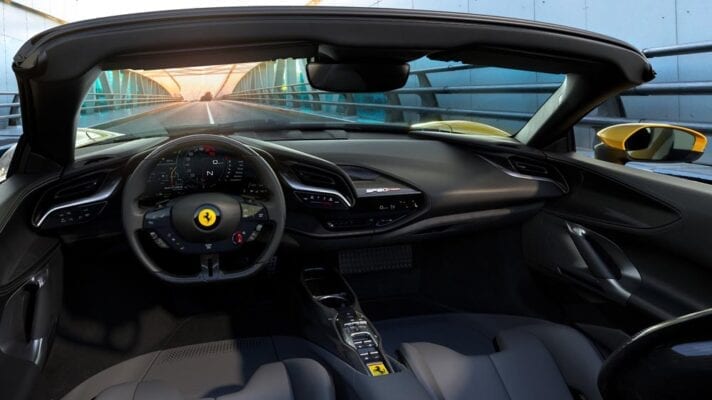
[{"x": 237, "y": 238}]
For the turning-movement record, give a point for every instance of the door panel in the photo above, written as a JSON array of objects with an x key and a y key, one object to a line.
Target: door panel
[
  {"x": 30, "y": 292},
  {"x": 635, "y": 238}
]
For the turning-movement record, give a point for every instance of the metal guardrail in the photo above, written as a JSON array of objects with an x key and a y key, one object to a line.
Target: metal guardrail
[
  {"x": 120, "y": 89},
  {"x": 291, "y": 95},
  {"x": 9, "y": 109},
  {"x": 92, "y": 103},
  {"x": 678, "y": 49}
]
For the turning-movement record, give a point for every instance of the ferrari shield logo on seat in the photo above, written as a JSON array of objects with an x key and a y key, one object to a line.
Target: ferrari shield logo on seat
[{"x": 207, "y": 217}]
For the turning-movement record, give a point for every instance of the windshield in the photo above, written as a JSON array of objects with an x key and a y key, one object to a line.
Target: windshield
[{"x": 125, "y": 104}]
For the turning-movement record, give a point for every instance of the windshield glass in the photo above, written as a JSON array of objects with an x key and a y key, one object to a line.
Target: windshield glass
[{"x": 125, "y": 104}]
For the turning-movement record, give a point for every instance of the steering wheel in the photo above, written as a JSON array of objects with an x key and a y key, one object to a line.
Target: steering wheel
[
  {"x": 207, "y": 224},
  {"x": 671, "y": 360}
]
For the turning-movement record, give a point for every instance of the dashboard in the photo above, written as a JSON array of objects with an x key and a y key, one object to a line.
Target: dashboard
[{"x": 352, "y": 191}]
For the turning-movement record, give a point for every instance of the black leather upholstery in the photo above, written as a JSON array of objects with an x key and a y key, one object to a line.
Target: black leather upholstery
[
  {"x": 151, "y": 390},
  {"x": 294, "y": 379},
  {"x": 243, "y": 369},
  {"x": 465, "y": 356}
]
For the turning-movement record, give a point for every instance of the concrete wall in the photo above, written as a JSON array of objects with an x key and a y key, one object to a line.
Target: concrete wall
[
  {"x": 643, "y": 23},
  {"x": 17, "y": 24}
]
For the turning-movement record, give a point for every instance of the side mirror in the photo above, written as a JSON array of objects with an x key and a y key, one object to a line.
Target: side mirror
[{"x": 649, "y": 143}]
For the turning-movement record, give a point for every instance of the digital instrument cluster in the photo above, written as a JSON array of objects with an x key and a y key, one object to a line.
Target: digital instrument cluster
[{"x": 201, "y": 168}]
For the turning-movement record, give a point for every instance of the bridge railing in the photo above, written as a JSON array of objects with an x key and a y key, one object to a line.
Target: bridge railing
[
  {"x": 94, "y": 102},
  {"x": 103, "y": 101},
  {"x": 302, "y": 96},
  {"x": 9, "y": 108}
]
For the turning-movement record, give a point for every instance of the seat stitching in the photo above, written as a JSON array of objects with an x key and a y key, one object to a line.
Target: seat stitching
[
  {"x": 494, "y": 364},
  {"x": 135, "y": 388},
  {"x": 426, "y": 368},
  {"x": 145, "y": 372},
  {"x": 480, "y": 332},
  {"x": 289, "y": 380},
  {"x": 150, "y": 365},
  {"x": 155, "y": 357},
  {"x": 275, "y": 351}
]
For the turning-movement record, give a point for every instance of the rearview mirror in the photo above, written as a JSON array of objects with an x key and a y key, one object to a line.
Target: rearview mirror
[
  {"x": 357, "y": 78},
  {"x": 649, "y": 143}
]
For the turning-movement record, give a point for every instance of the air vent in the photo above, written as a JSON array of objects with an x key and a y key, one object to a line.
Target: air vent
[
  {"x": 360, "y": 174},
  {"x": 81, "y": 187},
  {"x": 315, "y": 177},
  {"x": 539, "y": 169},
  {"x": 529, "y": 167},
  {"x": 96, "y": 160},
  {"x": 316, "y": 185}
]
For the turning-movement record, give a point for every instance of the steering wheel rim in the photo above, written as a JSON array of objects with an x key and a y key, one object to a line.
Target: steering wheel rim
[
  {"x": 133, "y": 215},
  {"x": 670, "y": 360}
]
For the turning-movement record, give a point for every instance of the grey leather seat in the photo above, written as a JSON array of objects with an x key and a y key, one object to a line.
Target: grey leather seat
[
  {"x": 466, "y": 356},
  {"x": 224, "y": 370}
]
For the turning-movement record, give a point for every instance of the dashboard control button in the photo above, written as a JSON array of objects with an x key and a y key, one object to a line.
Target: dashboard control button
[
  {"x": 357, "y": 333},
  {"x": 237, "y": 238},
  {"x": 254, "y": 212},
  {"x": 157, "y": 218},
  {"x": 72, "y": 215},
  {"x": 321, "y": 200},
  {"x": 157, "y": 240}
]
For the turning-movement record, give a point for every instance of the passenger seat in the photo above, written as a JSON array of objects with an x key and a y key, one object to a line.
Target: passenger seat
[{"x": 467, "y": 356}]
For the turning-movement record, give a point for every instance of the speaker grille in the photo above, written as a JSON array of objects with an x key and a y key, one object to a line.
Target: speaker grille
[
  {"x": 209, "y": 349},
  {"x": 375, "y": 259}
]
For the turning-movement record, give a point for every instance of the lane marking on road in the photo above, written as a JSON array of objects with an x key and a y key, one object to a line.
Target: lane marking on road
[
  {"x": 289, "y": 110},
  {"x": 210, "y": 115}
]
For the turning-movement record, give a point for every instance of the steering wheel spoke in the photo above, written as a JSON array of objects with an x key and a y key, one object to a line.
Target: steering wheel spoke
[
  {"x": 157, "y": 218},
  {"x": 209, "y": 267},
  {"x": 255, "y": 216},
  {"x": 254, "y": 211}
]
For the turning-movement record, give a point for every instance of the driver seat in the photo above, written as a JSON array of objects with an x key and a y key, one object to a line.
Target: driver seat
[{"x": 224, "y": 370}]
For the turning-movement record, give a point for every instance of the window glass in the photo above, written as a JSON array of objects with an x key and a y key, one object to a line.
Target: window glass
[{"x": 132, "y": 103}]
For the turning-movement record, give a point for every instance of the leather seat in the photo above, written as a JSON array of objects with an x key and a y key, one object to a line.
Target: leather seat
[
  {"x": 225, "y": 370},
  {"x": 466, "y": 356}
]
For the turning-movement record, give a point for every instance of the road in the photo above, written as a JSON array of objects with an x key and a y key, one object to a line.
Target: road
[{"x": 204, "y": 113}]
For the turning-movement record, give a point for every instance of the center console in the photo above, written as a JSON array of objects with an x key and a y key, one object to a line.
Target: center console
[{"x": 337, "y": 319}]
